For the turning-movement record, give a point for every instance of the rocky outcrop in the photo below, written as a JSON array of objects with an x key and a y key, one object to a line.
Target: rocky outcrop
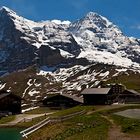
[{"x": 92, "y": 39}]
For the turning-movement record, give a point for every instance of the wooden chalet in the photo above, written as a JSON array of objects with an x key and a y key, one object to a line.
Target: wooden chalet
[
  {"x": 9, "y": 103},
  {"x": 62, "y": 100},
  {"x": 96, "y": 96},
  {"x": 117, "y": 88},
  {"x": 129, "y": 96},
  {"x": 114, "y": 93}
]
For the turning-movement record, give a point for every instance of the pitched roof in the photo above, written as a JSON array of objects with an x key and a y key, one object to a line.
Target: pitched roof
[
  {"x": 75, "y": 98},
  {"x": 4, "y": 95},
  {"x": 133, "y": 91},
  {"x": 95, "y": 91}
]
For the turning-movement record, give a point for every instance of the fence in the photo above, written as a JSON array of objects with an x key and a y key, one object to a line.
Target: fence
[{"x": 46, "y": 121}]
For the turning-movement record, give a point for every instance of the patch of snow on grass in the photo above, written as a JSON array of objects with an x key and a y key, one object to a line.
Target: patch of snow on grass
[
  {"x": 2, "y": 86},
  {"x": 33, "y": 91},
  {"x": 37, "y": 84},
  {"x": 29, "y": 84},
  {"x": 28, "y": 109},
  {"x": 104, "y": 74},
  {"x": 121, "y": 70}
]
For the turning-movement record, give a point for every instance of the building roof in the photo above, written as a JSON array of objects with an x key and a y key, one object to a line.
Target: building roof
[
  {"x": 95, "y": 91},
  {"x": 2, "y": 95},
  {"x": 132, "y": 91},
  {"x": 75, "y": 98}
]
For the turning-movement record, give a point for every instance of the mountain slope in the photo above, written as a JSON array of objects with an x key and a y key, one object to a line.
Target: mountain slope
[
  {"x": 37, "y": 58},
  {"x": 94, "y": 38},
  {"x": 103, "y": 42}
]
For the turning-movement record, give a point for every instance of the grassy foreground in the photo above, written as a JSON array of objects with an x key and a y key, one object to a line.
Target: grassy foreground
[
  {"x": 7, "y": 119},
  {"x": 90, "y": 126},
  {"x": 130, "y": 126},
  {"x": 87, "y": 127}
]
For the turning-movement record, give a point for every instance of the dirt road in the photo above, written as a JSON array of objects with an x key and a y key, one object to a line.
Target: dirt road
[
  {"x": 115, "y": 132},
  {"x": 24, "y": 118}
]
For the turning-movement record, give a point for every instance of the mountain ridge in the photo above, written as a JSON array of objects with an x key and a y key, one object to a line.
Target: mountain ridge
[{"x": 66, "y": 56}]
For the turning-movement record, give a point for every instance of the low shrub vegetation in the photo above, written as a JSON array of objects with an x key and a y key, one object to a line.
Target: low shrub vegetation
[{"x": 127, "y": 125}]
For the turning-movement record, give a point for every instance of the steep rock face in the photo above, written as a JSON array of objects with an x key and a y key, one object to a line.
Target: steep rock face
[
  {"x": 58, "y": 37},
  {"x": 66, "y": 57},
  {"x": 100, "y": 37},
  {"x": 15, "y": 52},
  {"x": 92, "y": 39},
  {"x": 49, "y": 56},
  {"x": 24, "y": 42}
]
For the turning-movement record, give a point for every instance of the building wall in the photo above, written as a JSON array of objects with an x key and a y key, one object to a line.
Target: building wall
[
  {"x": 60, "y": 101},
  {"x": 95, "y": 99},
  {"x": 129, "y": 97},
  {"x": 114, "y": 93},
  {"x": 10, "y": 104},
  {"x": 117, "y": 89}
]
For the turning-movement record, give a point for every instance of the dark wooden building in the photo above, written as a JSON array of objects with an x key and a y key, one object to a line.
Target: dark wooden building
[
  {"x": 129, "y": 96},
  {"x": 96, "y": 96},
  {"x": 9, "y": 103},
  {"x": 115, "y": 93},
  {"x": 61, "y": 100},
  {"x": 117, "y": 88}
]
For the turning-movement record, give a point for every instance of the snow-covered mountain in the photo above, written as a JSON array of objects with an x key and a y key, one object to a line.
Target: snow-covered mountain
[
  {"x": 102, "y": 41},
  {"x": 24, "y": 42},
  {"x": 69, "y": 54}
]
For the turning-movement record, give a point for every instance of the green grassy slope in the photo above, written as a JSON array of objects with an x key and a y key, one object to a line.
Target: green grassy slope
[{"x": 131, "y": 81}]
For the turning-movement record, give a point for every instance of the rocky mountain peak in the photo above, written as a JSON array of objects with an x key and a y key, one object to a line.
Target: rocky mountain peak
[
  {"x": 6, "y": 11},
  {"x": 92, "y": 21},
  {"x": 67, "y": 57},
  {"x": 93, "y": 38},
  {"x": 91, "y": 15},
  {"x": 98, "y": 20}
]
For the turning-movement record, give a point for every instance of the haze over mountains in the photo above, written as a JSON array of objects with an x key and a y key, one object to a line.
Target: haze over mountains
[{"x": 74, "y": 54}]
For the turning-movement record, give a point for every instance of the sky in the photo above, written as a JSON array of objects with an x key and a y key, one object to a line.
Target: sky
[{"x": 123, "y": 13}]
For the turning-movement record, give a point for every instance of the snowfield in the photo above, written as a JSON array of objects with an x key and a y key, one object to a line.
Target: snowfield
[{"x": 92, "y": 37}]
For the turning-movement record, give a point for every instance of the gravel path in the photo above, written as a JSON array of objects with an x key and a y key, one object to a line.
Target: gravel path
[
  {"x": 24, "y": 117},
  {"x": 115, "y": 133}
]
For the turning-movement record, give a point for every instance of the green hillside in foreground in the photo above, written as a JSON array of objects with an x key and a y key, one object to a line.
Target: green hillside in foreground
[{"x": 95, "y": 124}]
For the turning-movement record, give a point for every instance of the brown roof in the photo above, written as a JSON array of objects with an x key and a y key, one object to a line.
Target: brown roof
[
  {"x": 75, "y": 98},
  {"x": 95, "y": 91},
  {"x": 132, "y": 91},
  {"x": 11, "y": 94},
  {"x": 4, "y": 95}
]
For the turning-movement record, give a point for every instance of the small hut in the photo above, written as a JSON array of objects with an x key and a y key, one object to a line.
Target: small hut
[{"x": 9, "y": 103}]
